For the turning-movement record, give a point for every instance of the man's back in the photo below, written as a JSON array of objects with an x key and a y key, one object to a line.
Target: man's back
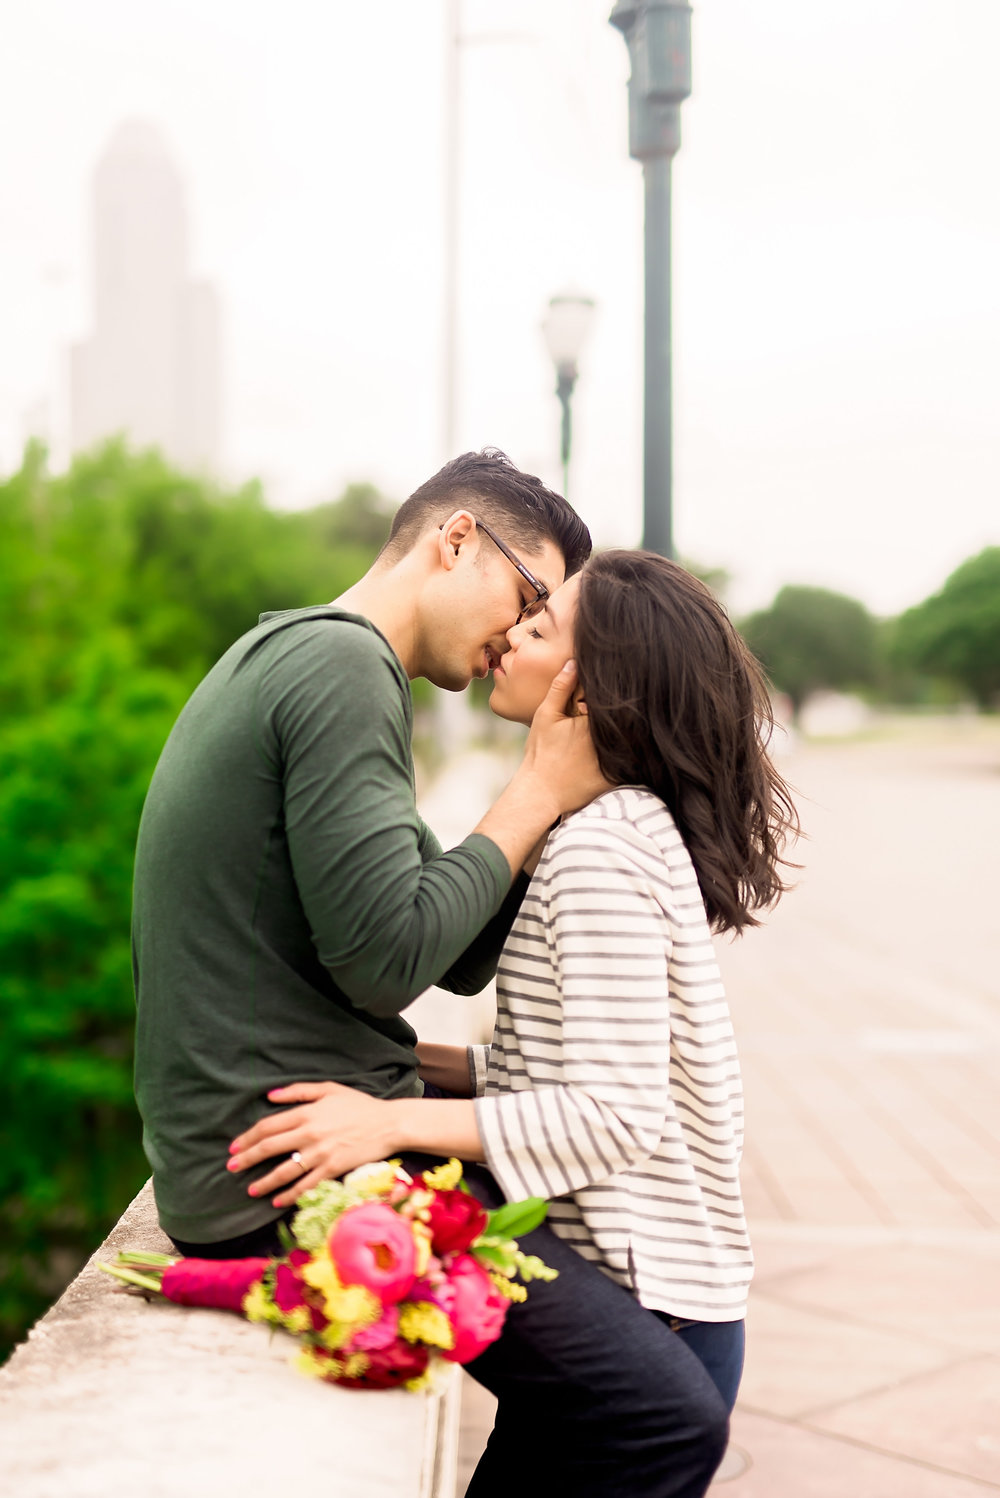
[{"x": 288, "y": 901}]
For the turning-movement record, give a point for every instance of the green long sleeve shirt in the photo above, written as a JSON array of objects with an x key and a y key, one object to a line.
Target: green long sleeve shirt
[{"x": 289, "y": 902}]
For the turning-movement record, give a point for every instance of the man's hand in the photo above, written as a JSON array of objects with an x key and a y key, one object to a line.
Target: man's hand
[
  {"x": 333, "y": 1129},
  {"x": 559, "y": 774},
  {"x": 559, "y": 751}
]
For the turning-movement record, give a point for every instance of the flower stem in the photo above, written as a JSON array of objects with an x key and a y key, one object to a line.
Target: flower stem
[{"x": 144, "y": 1281}]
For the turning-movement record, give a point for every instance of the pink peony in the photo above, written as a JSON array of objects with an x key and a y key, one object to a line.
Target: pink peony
[
  {"x": 380, "y": 1335},
  {"x": 371, "y": 1245},
  {"x": 474, "y": 1306}
]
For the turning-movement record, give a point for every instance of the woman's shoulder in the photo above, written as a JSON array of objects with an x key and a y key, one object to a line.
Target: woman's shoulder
[
  {"x": 625, "y": 806},
  {"x": 629, "y": 816}
]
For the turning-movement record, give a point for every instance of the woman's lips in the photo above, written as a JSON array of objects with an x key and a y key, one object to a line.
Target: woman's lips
[{"x": 492, "y": 662}]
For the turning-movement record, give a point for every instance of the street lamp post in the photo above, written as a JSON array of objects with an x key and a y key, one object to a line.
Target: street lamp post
[
  {"x": 566, "y": 328},
  {"x": 658, "y": 34}
]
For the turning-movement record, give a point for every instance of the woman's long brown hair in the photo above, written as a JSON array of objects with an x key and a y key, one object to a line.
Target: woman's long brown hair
[{"x": 677, "y": 703}]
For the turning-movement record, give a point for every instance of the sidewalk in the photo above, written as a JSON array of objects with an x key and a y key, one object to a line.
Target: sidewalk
[{"x": 868, "y": 1013}]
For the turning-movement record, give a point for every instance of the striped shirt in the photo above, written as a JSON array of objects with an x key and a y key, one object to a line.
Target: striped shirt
[{"x": 612, "y": 1083}]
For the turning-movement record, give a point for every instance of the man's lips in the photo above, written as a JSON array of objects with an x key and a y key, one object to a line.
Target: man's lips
[{"x": 492, "y": 661}]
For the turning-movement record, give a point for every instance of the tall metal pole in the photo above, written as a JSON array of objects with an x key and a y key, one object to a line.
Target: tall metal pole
[
  {"x": 658, "y": 34},
  {"x": 657, "y": 439},
  {"x": 564, "y": 390}
]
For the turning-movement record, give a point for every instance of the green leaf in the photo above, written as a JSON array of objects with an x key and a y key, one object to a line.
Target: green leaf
[{"x": 515, "y": 1218}]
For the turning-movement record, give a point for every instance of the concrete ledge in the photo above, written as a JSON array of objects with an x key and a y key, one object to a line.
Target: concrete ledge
[{"x": 113, "y": 1396}]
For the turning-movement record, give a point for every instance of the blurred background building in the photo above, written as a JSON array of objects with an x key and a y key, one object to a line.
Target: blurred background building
[{"x": 151, "y": 367}]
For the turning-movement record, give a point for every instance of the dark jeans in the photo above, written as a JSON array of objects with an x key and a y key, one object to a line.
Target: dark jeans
[
  {"x": 598, "y": 1396},
  {"x": 719, "y": 1345},
  {"x": 259, "y": 1244}
]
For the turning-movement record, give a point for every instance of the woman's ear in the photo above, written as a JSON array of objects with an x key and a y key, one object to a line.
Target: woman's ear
[{"x": 578, "y": 703}]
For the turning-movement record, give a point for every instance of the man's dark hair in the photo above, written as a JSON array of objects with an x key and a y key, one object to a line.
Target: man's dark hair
[
  {"x": 677, "y": 703},
  {"x": 518, "y": 506}
]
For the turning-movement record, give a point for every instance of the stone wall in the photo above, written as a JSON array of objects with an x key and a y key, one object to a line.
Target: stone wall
[{"x": 114, "y": 1396}]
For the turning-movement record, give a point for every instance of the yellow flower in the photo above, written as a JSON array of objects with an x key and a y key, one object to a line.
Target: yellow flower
[
  {"x": 509, "y": 1288},
  {"x": 351, "y": 1303},
  {"x": 444, "y": 1177},
  {"x": 422, "y": 1321},
  {"x": 257, "y": 1306},
  {"x": 336, "y": 1334},
  {"x": 313, "y": 1366},
  {"x": 297, "y": 1320},
  {"x": 375, "y": 1179}
]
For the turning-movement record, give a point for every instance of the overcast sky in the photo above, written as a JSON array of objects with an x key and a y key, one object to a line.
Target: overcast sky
[{"x": 836, "y": 255}]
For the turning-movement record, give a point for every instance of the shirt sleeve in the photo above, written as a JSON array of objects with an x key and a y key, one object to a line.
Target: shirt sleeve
[
  {"x": 478, "y": 963},
  {"x": 385, "y": 923},
  {"x": 479, "y": 1066},
  {"x": 599, "y": 894}
]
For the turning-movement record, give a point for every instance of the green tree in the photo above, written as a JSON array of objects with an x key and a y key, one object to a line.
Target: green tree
[
  {"x": 360, "y": 517},
  {"x": 955, "y": 634},
  {"x": 120, "y": 583},
  {"x": 715, "y": 578},
  {"x": 811, "y": 638}
]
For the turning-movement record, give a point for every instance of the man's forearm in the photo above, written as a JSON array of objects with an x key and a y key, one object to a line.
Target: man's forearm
[
  {"x": 444, "y": 1066},
  {"x": 520, "y": 818}
]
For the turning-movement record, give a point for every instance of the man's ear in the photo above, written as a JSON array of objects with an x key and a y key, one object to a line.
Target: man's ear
[{"x": 457, "y": 531}]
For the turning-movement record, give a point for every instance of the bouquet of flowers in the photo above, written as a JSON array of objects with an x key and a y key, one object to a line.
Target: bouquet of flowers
[{"x": 383, "y": 1274}]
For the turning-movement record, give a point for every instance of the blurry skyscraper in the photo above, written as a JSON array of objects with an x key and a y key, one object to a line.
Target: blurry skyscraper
[{"x": 151, "y": 368}]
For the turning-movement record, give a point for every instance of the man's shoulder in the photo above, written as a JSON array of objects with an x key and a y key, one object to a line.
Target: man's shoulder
[
  {"x": 326, "y": 623},
  {"x": 329, "y": 636}
]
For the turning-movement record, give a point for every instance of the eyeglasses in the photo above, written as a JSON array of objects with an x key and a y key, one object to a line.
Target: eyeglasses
[{"x": 537, "y": 603}]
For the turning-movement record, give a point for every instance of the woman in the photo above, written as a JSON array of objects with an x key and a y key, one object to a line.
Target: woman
[{"x": 612, "y": 1084}]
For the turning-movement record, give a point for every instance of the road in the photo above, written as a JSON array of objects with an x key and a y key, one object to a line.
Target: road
[{"x": 868, "y": 1015}]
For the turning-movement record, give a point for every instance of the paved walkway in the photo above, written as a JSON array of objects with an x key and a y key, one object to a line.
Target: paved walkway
[{"x": 868, "y": 1014}]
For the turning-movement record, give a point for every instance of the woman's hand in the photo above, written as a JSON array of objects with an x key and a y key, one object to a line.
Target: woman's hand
[{"x": 334, "y": 1129}]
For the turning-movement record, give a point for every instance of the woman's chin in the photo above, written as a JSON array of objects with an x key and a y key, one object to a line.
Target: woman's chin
[{"x": 501, "y": 709}]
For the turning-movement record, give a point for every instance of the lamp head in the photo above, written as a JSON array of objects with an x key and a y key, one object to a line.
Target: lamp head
[
  {"x": 566, "y": 329},
  {"x": 658, "y": 35}
]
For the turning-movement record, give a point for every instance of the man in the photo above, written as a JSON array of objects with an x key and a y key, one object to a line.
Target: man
[{"x": 288, "y": 900}]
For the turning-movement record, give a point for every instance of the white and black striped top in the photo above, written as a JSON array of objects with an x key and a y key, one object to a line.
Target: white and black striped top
[{"x": 612, "y": 1083}]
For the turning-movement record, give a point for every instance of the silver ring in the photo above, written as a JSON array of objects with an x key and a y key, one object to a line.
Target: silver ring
[{"x": 303, "y": 1167}]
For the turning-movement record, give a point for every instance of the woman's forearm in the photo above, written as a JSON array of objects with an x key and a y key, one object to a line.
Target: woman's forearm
[{"x": 435, "y": 1126}]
